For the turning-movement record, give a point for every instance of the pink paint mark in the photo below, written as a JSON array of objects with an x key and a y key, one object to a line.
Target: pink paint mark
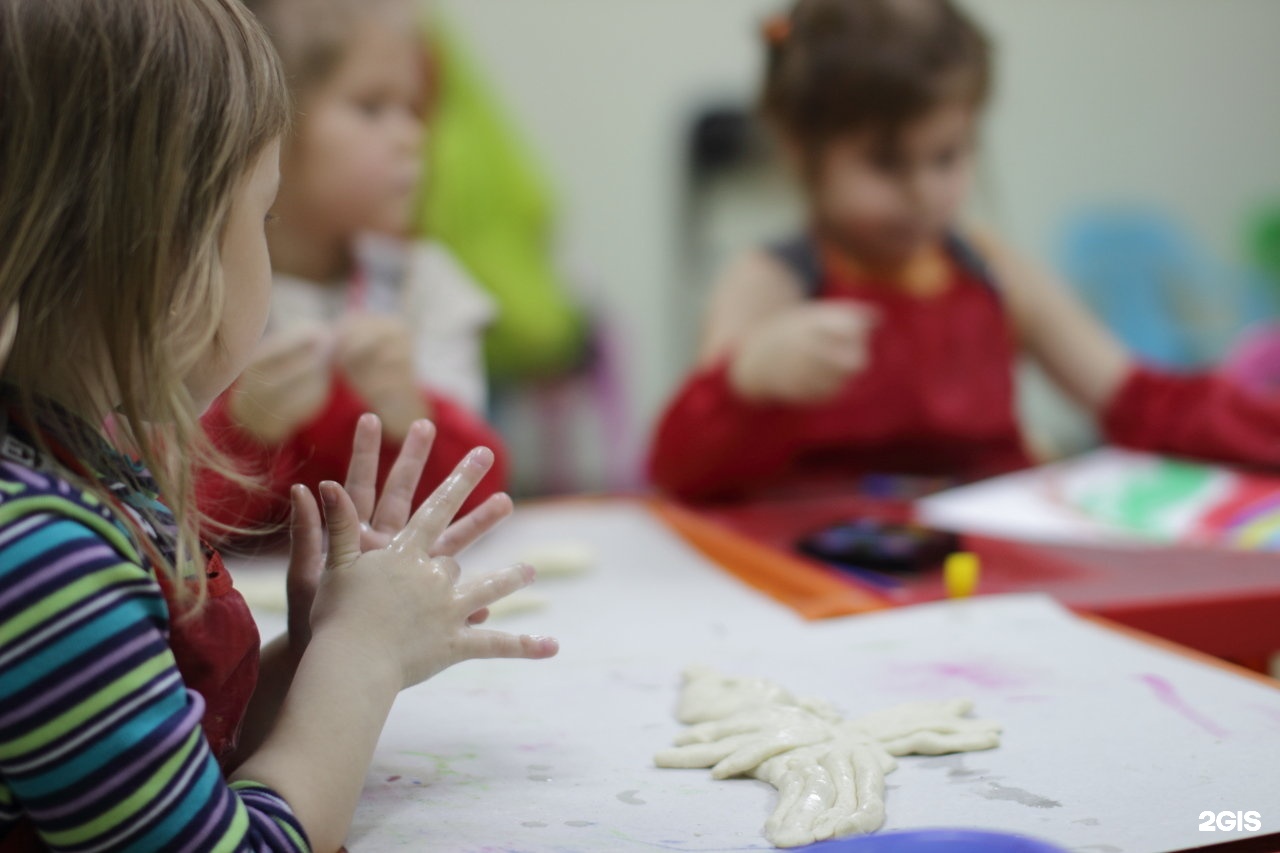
[
  {"x": 1169, "y": 696},
  {"x": 536, "y": 747},
  {"x": 393, "y": 778},
  {"x": 977, "y": 675}
]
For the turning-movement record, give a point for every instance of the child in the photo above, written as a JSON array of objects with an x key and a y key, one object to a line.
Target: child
[
  {"x": 884, "y": 339},
  {"x": 138, "y": 151},
  {"x": 359, "y": 320}
]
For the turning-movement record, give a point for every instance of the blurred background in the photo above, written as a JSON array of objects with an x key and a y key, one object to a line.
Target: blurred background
[{"x": 1130, "y": 140}]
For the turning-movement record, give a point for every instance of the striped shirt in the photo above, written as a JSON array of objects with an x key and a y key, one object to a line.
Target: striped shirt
[{"x": 101, "y": 747}]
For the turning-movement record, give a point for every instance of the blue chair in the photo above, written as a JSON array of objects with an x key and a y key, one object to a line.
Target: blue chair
[{"x": 1169, "y": 300}]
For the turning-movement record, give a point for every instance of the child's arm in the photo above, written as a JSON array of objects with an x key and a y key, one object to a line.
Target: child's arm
[
  {"x": 765, "y": 351},
  {"x": 1077, "y": 351},
  {"x": 101, "y": 746},
  {"x": 253, "y": 425},
  {"x": 375, "y": 355},
  {"x": 228, "y": 504},
  {"x": 751, "y": 291},
  {"x": 324, "y": 445},
  {"x": 1201, "y": 415},
  {"x": 321, "y": 450},
  {"x": 382, "y": 621}
]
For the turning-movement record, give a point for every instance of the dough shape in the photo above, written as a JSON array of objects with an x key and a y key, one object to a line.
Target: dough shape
[
  {"x": 263, "y": 591},
  {"x": 829, "y": 771},
  {"x": 561, "y": 559}
]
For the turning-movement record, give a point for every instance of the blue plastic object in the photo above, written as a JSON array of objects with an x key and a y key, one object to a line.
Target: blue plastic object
[
  {"x": 1162, "y": 293},
  {"x": 936, "y": 841}
]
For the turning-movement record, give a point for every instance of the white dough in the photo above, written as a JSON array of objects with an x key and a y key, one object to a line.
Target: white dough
[
  {"x": 517, "y": 602},
  {"x": 829, "y": 772},
  {"x": 561, "y": 559},
  {"x": 263, "y": 591}
]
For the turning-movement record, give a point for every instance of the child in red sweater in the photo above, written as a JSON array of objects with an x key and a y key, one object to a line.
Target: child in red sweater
[
  {"x": 361, "y": 320},
  {"x": 884, "y": 339}
]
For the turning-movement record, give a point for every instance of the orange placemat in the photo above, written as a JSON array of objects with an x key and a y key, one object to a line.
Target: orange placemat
[{"x": 811, "y": 591}]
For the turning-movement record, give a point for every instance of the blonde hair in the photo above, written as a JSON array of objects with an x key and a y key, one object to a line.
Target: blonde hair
[{"x": 125, "y": 128}]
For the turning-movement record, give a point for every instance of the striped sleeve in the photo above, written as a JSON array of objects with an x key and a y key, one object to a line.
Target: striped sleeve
[{"x": 100, "y": 742}]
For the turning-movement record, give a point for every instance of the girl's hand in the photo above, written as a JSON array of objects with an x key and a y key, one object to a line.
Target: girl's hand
[
  {"x": 805, "y": 355},
  {"x": 376, "y": 354},
  {"x": 380, "y": 519},
  {"x": 285, "y": 387},
  {"x": 402, "y": 608}
]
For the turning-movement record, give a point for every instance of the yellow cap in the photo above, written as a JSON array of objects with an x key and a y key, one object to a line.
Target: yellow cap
[{"x": 961, "y": 574}]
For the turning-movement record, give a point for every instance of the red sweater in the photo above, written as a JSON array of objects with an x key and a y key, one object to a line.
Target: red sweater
[
  {"x": 937, "y": 399},
  {"x": 321, "y": 451}
]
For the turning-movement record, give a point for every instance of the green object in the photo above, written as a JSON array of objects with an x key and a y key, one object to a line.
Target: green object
[
  {"x": 1264, "y": 242},
  {"x": 1147, "y": 500},
  {"x": 486, "y": 200}
]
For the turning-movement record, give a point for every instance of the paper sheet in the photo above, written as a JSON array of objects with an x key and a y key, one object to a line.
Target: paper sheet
[{"x": 1115, "y": 497}]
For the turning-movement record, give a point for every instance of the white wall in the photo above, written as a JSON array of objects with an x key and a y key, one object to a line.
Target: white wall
[{"x": 1167, "y": 101}]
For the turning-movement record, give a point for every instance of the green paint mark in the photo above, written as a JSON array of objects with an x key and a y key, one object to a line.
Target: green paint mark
[{"x": 1143, "y": 502}]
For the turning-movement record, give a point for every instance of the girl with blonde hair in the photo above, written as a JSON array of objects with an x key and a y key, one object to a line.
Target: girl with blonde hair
[{"x": 139, "y": 144}]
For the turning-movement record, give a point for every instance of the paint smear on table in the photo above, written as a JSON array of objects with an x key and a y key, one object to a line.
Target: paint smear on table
[{"x": 1170, "y": 698}]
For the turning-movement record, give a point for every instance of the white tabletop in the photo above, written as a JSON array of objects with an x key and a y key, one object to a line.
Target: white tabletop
[{"x": 1111, "y": 745}]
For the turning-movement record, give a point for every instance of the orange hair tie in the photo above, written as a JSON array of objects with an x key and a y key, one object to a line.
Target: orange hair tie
[{"x": 777, "y": 30}]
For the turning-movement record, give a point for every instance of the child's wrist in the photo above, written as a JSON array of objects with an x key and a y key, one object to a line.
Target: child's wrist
[{"x": 362, "y": 651}]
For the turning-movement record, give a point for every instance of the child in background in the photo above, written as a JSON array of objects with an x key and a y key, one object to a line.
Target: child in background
[
  {"x": 360, "y": 320},
  {"x": 139, "y": 146},
  {"x": 883, "y": 340}
]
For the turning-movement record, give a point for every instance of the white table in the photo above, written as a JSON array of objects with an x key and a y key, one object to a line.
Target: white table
[{"x": 1111, "y": 745}]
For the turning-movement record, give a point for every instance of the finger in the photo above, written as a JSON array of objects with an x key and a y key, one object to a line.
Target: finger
[
  {"x": 700, "y": 754},
  {"x": 791, "y": 787},
  {"x": 497, "y": 586},
  {"x": 817, "y": 795},
  {"x": 482, "y": 644},
  {"x": 932, "y": 743},
  {"x": 849, "y": 317},
  {"x": 306, "y": 563},
  {"x": 464, "y": 532},
  {"x": 758, "y": 750},
  {"x": 714, "y": 731},
  {"x": 343, "y": 523},
  {"x": 362, "y": 473},
  {"x": 437, "y": 511},
  {"x": 479, "y": 617},
  {"x": 306, "y": 546},
  {"x": 869, "y": 786},
  {"x": 397, "y": 493},
  {"x": 362, "y": 336},
  {"x": 839, "y": 766}
]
